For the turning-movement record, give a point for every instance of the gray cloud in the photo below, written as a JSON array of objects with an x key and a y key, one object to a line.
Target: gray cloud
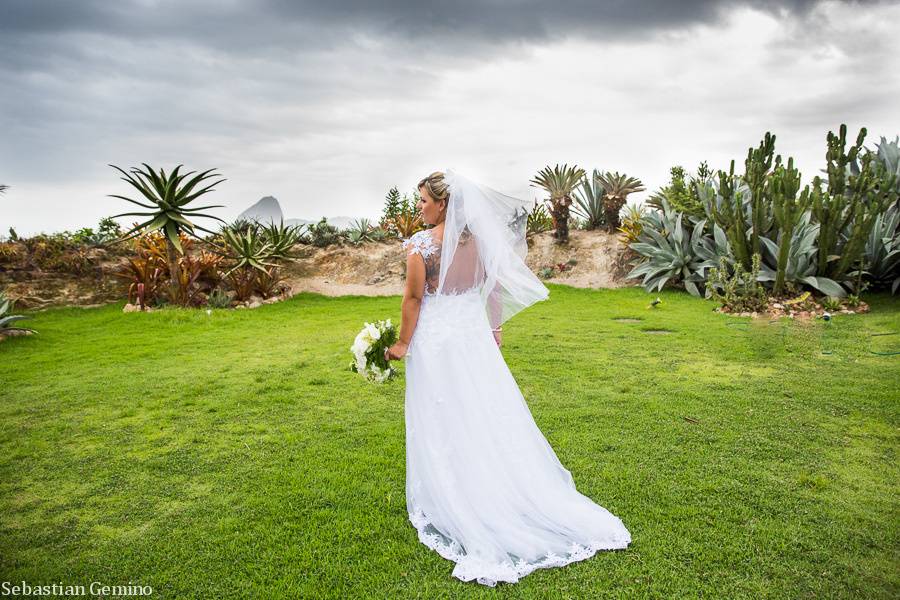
[{"x": 278, "y": 92}]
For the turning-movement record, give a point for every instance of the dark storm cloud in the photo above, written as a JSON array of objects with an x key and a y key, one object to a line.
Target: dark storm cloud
[{"x": 274, "y": 21}]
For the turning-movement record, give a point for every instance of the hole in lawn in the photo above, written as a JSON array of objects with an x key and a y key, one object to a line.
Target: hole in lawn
[
  {"x": 658, "y": 331},
  {"x": 626, "y": 320}
]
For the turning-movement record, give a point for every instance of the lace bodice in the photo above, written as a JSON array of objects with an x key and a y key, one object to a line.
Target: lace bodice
[{"x": 424, "y": 244}]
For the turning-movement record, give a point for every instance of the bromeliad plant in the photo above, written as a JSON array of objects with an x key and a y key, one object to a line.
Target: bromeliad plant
[
  {"x": 559, "y": 182},
  {"x": 167, "y": 198},
  {"x": 539, "y": 220}
]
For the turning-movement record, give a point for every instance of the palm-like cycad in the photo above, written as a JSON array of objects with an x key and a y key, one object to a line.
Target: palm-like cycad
[
  {"x": 166, "y": 197},
  {"x": 617, "y": 188},
  {"x": 559, "y": 183}
]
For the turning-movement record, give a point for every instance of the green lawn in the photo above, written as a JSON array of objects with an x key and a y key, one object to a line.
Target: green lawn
[{"x": 234, "y": 456}]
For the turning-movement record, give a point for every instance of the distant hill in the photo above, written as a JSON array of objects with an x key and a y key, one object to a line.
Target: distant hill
[{"x": 268, "y": 209}]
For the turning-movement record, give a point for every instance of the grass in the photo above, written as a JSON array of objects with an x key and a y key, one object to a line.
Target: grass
[{"x": 232, "y": 455}]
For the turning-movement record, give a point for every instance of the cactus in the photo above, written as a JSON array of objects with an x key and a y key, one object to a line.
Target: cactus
[
  {"x": 860, "y": 188},
  {"x": 787, "y": 208},
  {"x": 742, "y": 206}
]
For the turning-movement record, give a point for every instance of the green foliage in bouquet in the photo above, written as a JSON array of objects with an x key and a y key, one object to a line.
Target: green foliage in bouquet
[{"x": 368, "y": 351}]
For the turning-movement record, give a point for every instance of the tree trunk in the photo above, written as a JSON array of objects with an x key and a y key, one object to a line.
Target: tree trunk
[
  {"x": 172, "y": 260},
  {"x": 561, "y": 220}
]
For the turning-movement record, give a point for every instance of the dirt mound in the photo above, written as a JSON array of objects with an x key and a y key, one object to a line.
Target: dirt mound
[{"x": 378, "y": 269}]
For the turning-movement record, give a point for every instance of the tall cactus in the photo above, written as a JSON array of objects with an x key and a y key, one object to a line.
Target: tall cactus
[
  {"x": 757, "y": 168},
  {"x": 860, "y": 187},
  {"x": 742, "y": 207},
  {"x": 784, "y": 183}
]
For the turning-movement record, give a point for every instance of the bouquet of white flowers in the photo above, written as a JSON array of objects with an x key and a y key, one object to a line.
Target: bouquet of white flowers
[{"x": 368, "y": 351}]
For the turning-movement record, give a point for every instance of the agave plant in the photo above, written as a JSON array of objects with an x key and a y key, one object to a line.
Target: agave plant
[
  {"x": 882, "y": 254},
  {"x": 589, "y": 201},
  {"x": 801, "y": 261},
  {"x": 360, "y": 231},
  {"x": 889, "y": 155},
  {"x": 167, "y": 197},
  {"x": 670, "y": 249},
  {"x": 249, "y": 249},
  {"x": 616, "y": 189},
  {"x": 559, "y": 182},
  {"x": 3, "y": 188},
  {"x": 7, "y": 319}
]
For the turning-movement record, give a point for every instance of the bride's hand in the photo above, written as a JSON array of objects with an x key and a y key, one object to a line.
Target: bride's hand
[
  {"x": 498, "y": 337},
  {"x": 397, "y": 351}
]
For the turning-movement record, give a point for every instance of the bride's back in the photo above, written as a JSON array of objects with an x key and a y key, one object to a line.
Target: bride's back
[{"x": 464, "y": 271}]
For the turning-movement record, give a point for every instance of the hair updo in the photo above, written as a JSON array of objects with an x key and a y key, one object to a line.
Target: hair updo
[{"x": 436, "y": 187}]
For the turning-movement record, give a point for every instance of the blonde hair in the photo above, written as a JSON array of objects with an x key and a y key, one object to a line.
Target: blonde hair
[{"x": 436, "y": 187}]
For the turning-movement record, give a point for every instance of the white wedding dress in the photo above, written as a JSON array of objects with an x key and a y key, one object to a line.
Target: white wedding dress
[{"x": 484, "y": 488}]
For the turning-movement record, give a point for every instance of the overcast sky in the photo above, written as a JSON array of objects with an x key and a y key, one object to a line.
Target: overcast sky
[{"x": 326, "y": 105}]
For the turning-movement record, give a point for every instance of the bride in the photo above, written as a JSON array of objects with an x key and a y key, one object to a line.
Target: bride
[{"x": 484, "y": 488}]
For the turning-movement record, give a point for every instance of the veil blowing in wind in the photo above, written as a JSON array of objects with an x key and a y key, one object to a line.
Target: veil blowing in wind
[{"x": 496, "y": 263}]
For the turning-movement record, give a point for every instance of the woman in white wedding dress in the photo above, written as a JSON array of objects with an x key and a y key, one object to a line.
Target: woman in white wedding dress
[{"x": 484, "y": 488}]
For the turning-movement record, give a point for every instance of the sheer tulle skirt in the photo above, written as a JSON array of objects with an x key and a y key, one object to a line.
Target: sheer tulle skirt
[{"x": 484, "y": 488}]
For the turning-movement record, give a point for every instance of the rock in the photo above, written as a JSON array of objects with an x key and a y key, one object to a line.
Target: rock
[
  {"x": 239, "y": 306},
  {"x": 271, "y": 300},
  {"x": 777, "y": 305},
  {"x": 254, "y": 304},
  {"x": 131, "y": 308},
  {"x": 254, "y": 298}
]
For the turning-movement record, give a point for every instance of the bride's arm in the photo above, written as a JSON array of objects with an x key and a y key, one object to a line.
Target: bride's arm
[{"x": 412, "y": 301}]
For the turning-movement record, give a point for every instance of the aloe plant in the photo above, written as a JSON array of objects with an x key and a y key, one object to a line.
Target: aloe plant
[
  {"x": 559, "y": 182},
  {"x": 282, "y": 238},
  {"x": 249, "y": 249},
  {"x": 167, "y": 197}
]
